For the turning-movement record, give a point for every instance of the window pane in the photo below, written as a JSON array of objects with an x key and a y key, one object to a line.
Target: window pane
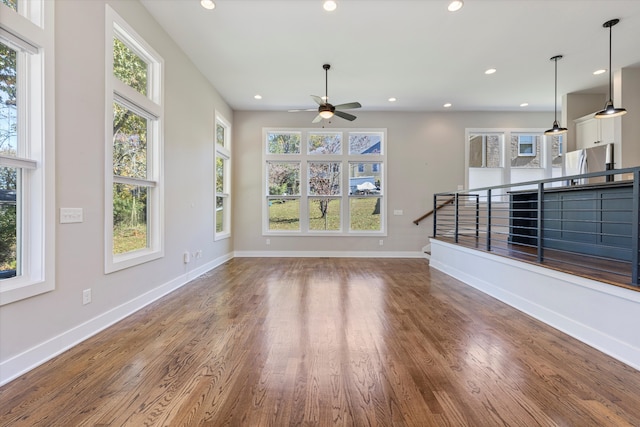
[
  {"x": 129, "y": 143},
  {"x": 484, "y": 151},
  {"x": 283, "y": 143},
  {"x": 220, "y": 130},
  {"x": 325, "y": 143},
  {"x": 493, "y": 151},
  {"x": 476, "y": 145},
  {"x": 365, "y": 143},
  {"x": 220, "y": 175},
  {"x": 365, "y": 178},
  {"x": 129, "y": 67},
  {"x": 8, "y": 222},
  {"x": 284, "y": 179},
  {"x": 324, "y": 178},
  {"x": 284, "y": 214},
  {"x": 364, "y": 213},
  {"x": 556, "y": 151},
  {"x": 525, "y": 151},
  {"x": 220, "y": 202},
  {"x": 8, "y": 110},
  {"x": 324, "y": 214},
  {"x": 129, "y": 218},
  {"x": 13, "y": 4}
]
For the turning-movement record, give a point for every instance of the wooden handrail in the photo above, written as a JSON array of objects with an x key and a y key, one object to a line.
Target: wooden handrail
[{"x": 417, "y": 221}]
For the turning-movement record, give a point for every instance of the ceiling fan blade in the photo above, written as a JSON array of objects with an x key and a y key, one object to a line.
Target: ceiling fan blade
[
  {"x": 344, "y": 115},
  {"x": 319, "y": 100},
  {"x": 317, "y": 119},
  {"x": 348, "y": 106},
  {"x": 298, "y": 111}
]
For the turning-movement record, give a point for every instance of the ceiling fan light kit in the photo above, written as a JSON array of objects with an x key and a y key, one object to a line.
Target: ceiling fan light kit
[{"x": 609, "y": 109}]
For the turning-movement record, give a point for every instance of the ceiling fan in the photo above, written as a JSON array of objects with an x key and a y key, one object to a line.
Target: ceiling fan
[{"x": 327, "y": 110}]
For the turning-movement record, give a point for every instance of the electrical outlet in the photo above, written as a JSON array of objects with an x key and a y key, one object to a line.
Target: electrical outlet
[
  {"x": 186, "y": 257},
  {"x": 86, "y": 296},
  {"x": 268, "y": 241},
  {"x": 381, "y": 242}
]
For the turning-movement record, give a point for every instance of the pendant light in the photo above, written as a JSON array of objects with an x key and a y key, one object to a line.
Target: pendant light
[
  {"x": 556, "y": 129},
  {"x": 609, "y": 109}
]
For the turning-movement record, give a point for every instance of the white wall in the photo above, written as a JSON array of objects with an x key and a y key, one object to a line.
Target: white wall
[
  {"x": 425, "y": 156},
  {"x": 629, "y": 98},
  {"x": 32, "y": 330}
]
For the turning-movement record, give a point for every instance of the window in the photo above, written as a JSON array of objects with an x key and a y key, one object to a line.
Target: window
[
  {"x": 526, "y": 145},
  {"x": 502, "y": 156},
  {"x": 222, "y": 216},
  {"x": 324, "y": 182},
  {"x": 133, "y": 191},
  {"x": 27, "y": 228}
]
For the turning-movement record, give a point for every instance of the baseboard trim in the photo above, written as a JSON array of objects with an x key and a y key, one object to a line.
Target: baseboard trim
[
  {"x": 22, "y": 363},
  {"x": 328, "y": 254}
]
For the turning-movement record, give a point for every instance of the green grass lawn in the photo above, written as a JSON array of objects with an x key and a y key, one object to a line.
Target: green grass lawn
[
  {"x": 129, "y": 239},
  {"x": 285, "y": 215}
]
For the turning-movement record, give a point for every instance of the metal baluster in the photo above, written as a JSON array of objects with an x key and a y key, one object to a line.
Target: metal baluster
[
  {"x": 540, "y": 221},
  {"x": 477, "y": 216},
  {"x": 488, "y": 219},
  {"x": 456, "y": 219},
  {"x": 435, "y": 215}
]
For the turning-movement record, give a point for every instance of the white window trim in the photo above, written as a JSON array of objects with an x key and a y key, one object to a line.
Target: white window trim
[
  {"x": 151, "y": 107},
  {"x": 33, "y": 33},
  {"x": 224, "y": 153},
  {"x": 345, "y": 159}
]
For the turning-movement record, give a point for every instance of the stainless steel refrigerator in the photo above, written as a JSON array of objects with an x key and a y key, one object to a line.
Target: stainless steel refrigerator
[{"x": 588, "y": 160}]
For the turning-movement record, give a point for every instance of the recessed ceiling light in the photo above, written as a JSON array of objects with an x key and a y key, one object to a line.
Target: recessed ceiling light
[
  {"x": 455, "y": 5},
  {"x": 258, "y": 96},
  {"x": 447, "y": 105},
  {"x": 524, "y": 104},
  {"x": 490, "y": 71},
  {"x": 600, "y": 71},
  {"x": 208, "y": 4},
  {"x": 392, "y": 99},
  {"x": 329, "y": 5}
]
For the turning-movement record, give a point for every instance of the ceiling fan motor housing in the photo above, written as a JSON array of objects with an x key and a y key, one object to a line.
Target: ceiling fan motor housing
[{"x": 326, "y": 107}]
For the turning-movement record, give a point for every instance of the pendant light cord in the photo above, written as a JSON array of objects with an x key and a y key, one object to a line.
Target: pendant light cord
[
  {"x": 610, "y": 72},
  {"x": 555, "y": 93}
]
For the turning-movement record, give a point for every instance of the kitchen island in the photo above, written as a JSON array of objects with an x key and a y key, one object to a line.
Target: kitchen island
[{"x": 592, "y": 219}]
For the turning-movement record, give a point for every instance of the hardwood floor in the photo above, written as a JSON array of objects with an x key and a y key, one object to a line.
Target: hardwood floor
[{"x": 324, "y": 342}]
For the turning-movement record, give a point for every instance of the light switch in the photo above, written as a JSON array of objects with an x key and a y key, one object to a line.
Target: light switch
[{"x": 70, "y": 215}]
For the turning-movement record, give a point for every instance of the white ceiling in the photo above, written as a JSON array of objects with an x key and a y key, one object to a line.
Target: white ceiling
[{"x": 414, "y": 50}]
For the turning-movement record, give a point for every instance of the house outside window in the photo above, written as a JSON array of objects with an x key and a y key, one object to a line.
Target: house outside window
[
  {"x": 222, "y": 215},
  {"x": 324, "y": 182},
  {"x": 27, "y": 216},
  {"x": 133, "y": 191}
]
